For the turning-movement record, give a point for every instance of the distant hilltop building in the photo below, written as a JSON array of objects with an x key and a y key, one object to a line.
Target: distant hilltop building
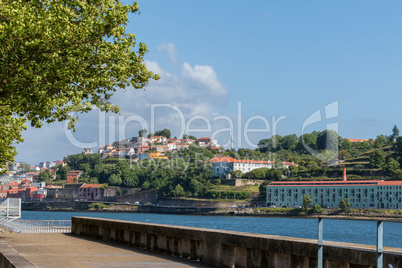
[
  {"x": 138, "y": 147},
  {"x": 224, "y": 165},
  {"x": 87, "y": 151},
  {"x": 16, "y": 166},
  {"x": 358, "y": 140}
]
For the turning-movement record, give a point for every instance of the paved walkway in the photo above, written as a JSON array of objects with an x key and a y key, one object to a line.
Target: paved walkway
[{"x": 65, "y": 250}]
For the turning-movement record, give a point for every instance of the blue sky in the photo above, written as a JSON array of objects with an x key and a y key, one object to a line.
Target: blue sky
[{"x": 282, "y": 59}]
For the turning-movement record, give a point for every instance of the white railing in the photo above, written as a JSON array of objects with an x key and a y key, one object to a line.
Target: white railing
[
  {"x": 10, "y": 208},
  {"x": 38, "y": 226}
]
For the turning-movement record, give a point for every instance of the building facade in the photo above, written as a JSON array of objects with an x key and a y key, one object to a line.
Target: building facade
[
  {"x": 224, "y": 165},
  {"x": 91, "y": 192},
  {"x": 362, "y": 194}
]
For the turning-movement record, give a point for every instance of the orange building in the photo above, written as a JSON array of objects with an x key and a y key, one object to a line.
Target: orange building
[{"x": 73, "y": 176}]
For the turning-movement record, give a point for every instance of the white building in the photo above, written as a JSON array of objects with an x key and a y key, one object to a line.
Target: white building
[{"x": 226, "y": 164}]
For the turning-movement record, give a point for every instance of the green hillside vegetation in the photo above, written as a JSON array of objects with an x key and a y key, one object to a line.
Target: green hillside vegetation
[{"x": 187, "y": 173}]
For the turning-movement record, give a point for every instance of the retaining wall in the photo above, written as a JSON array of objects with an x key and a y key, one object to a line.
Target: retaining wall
[{"x": 228, "y": 248}]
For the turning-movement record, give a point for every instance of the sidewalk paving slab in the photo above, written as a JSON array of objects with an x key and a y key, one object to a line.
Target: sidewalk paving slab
[{"x": 66, "y": 250}]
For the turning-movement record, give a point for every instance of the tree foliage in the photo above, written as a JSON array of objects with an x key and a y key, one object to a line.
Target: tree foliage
[
  {"x": 306, "y": 202},
  {"x": 63, "y": 56},
  {"x": 395, "y": 133},
  {"x": 377, "y": 159},
  {"x": 164, "y": 132},
  {"x": 344, "y": 204}
]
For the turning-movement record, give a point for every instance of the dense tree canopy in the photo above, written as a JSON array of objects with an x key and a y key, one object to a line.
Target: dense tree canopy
[
  {"x": 164, "y": 132},
  {"x": 63, "y": 56}
]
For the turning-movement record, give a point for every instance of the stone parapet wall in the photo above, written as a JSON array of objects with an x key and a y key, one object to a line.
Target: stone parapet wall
[{"x": 229, "y": 248}]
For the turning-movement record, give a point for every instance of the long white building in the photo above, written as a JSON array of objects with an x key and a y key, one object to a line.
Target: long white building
[
  {"x": 362, "y": 194},
  {"x": 225, "y": 164}
]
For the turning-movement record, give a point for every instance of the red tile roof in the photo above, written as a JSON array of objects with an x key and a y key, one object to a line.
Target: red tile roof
[
  {"x": 32, "y": 188},
  {"x": 52, "y": 186},
  {"x": 232, "y": 160},
  {"x": 389, "y": 183},
  {"x": 91, "y": 186},
  {"x": 358, "y": 140},
  {"x": 290, "y": 163},
  {"x": 323, "y": 183}
]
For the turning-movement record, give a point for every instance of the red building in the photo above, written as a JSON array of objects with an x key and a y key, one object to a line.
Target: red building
[
  {"x": 73, "y": 176},
  {"x": 91, "y": 192},
  {"x": 25, "y": 194}
]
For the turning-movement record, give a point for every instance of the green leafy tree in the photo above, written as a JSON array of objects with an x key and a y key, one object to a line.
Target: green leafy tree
[
  {"x": 328, "y": 140},
  {"x": 380, "y": 141},
  {"x": 391, "y": 166},
  {"x": 317, "y": 209},
  {"x": 344, "y": 204},
  {"x": 142, "y": 133},
  {"x": 164, "y": 132},
  {"x": 395, "y": 133},
  {"x": 61, "y": 173},
  {"x": 377, "y": 159},
  {"x": 289, "y": 142},
  {"x": 45, "y": 175},
  {"x": 59, "y": 57},
  {"x": 272, "y": 144},
  {"x": 145, "y": 186},
  {"x": 263, "y": 189},
  {"x": 236, "y": 173},
  {"x": 345, "y": 145},
  {"x": 306, "y": 140},
  {"x": 104, "y": 186},
  {"x": 274, "y": 175},
  {"x": 343, "y": 155},
  {"x": 114, "y": 180},
  {"x": 398, "y": 146},
  {"x": 179, "y": 190},
  {"x": 306, "y": 202},
  {"x": 191, "y": 137}
]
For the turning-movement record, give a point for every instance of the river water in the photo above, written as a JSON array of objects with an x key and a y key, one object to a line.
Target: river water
[{"x": 360, "y": 232}]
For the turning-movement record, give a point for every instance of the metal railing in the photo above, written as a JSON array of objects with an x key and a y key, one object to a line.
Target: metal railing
[
  {"x": 10, "y": 208},
  {"x": 379, "y": 243},
  {"x": 36, "y": 226}
]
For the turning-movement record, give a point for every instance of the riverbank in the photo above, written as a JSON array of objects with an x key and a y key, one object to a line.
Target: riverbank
[{"x": 357, "y": 214}]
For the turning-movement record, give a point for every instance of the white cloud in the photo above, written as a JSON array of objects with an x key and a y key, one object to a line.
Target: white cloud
[
  {"x": 195, "y": 91},
  {"x": 171, "y": 51}
]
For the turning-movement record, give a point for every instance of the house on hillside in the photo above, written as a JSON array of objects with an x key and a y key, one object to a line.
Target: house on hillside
[
  {"x": 207, "y": 142},
  {"x": 358, "y": 140},
  {"x": 73, "y": 176},
  {"x": 160, "y": 139},
  {"x": 87, "y": 151}
]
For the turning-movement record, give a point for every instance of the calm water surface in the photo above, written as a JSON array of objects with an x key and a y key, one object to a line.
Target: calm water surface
[{"x": 361, "y": 232}]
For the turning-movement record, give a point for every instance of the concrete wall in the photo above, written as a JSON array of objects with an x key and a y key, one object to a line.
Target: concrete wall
[
  {"x": 9, "y": 258},
  {"x": 241, "y": 182},
  {"x": 228, "y": 248}
]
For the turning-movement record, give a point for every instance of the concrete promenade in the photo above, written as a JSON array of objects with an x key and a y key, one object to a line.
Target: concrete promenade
[{"x": 66, "y": 250}]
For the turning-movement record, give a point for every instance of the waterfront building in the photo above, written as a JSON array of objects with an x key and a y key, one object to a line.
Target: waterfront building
[
  {"x": 362, "y": 194},
  {"x": 91, "y": 192}
]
